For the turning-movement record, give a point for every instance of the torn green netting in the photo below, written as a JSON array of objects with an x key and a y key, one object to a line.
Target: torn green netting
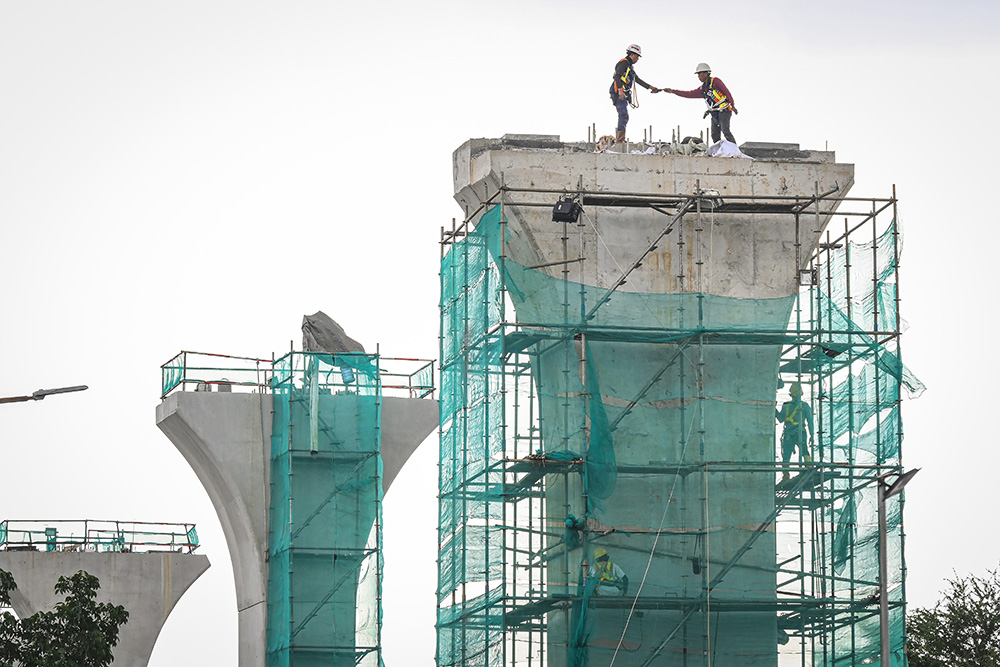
[{"x": 324, "y": 546}]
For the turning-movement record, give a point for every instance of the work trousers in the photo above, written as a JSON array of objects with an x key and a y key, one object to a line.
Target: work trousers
[
  {"x": 788, "y": 446},
  {"x": 622, "y": 106},
  {"x": 720, "y": 125}
]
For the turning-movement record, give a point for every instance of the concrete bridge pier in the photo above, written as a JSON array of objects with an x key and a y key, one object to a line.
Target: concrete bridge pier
[
  {"x": 226, "y": 438},
  {"x": 148, "y": 585}
]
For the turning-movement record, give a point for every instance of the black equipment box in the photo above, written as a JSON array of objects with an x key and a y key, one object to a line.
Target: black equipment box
[{"x": 566, "y": 210}]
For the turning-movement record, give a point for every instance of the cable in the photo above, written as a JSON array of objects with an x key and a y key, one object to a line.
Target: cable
[
  {"x": 708, "y": 570},
  {"x": 643, "y": 302},
  {"x": 652, "y": 551},
  {"x": 603, "y": 242}
]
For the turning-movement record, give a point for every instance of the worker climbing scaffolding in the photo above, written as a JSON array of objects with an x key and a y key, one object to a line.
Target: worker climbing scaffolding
[
  {"x": 797, "y": 419},
  {"x": 609, "y": 578}
]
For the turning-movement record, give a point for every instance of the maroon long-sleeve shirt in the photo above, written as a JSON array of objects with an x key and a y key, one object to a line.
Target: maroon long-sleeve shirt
[{"x": 706, "y": 90}]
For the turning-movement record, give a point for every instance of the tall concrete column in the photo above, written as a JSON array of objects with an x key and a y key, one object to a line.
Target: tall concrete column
[
  {"x": 748, "y": 253},
  {"x": 148, "y": 585},
  {"x": 225, "y": 437}
]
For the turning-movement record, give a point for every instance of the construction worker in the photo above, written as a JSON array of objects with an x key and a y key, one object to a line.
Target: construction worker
[
  {"x": 611, "y": 579},
  {"x": 621, "y": 87},
  {"x": 718, "y": 98},
  {"x": 797, "y": 417}
]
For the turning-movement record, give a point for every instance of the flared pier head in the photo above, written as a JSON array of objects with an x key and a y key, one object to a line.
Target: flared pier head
[
  {"x": 226, "y": 438},
  {"x": 747, "y": 253},
  {"x": 148, "y": 585}
]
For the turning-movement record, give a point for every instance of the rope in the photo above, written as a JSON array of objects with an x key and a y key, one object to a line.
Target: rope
[
  {"x": 644, "y": 302},
  {"x": 603, "y": 242},
  {"x": 652, "y": 550},
  {"x": 708, "y": 571}
]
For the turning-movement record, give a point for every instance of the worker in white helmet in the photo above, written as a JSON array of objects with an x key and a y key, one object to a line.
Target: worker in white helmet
[
  {"x": 718, "y": 98},
  {"x": 621, "y": 87},
  {"x": 610, "y": 579}
]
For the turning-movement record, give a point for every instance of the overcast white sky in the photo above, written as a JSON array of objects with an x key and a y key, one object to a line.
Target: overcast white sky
[{"x": 199, "y": 175}]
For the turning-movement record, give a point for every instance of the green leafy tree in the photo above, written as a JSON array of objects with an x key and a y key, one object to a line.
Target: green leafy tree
[
  {"x": 960, "y": 630},
  {"x": 8, "y": 624},
  {"x": 79, "y": 631}
]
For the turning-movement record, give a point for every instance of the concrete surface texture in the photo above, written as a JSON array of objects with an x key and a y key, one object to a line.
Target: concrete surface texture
[
  {"x": 225, "y": 437},
  {"x": 148, "y": 585},
  {"x": 744, "y": 255},
  {"x": 406, "y": 422}
]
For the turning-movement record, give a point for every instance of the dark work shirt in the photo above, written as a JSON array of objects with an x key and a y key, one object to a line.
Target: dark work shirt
[{"x": 624, "y": 76}]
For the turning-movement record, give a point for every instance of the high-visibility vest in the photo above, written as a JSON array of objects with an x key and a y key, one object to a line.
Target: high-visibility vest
[
  {"x": 713, "y": 98},
  {"x": 605, "y": 571},
  {"x": 790, "y": 417},
  {"x": 626, "y": 77}
]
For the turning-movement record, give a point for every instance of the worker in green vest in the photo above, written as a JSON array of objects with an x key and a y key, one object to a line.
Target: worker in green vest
[
  {"x": 611, "y": 579},
  {"x": 797, "y": 419}
]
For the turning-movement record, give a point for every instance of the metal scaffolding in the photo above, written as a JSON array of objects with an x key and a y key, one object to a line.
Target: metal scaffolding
[
  {"x": 577, "y": 418},
  {"x": 325, "y": 474}
]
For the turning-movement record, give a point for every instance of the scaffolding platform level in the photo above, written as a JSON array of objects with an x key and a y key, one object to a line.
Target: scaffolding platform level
[{"x": 649, "y": 465}]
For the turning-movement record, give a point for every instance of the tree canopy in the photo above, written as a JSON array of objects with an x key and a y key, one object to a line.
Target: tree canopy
[
  {"x": 960, "y": 630},
  {"x": 79, "y": 631}
]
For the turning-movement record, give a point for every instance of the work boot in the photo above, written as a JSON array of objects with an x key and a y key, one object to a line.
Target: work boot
[
  {"x": 620, "y": 137},
  {"x": 807, "y": 458}
]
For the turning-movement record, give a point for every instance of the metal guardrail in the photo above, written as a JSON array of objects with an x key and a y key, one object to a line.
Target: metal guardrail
[
  {"x": 205, "y": 371},
  {"x": 97, "y": 536},
  {"x": 417, "y": 383}
]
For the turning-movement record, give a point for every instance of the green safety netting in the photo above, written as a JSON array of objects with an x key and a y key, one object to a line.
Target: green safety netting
[
  {"x": 172, "y": 374},
  {"x": 325, "y": 562},
  {"x": 644, "y": 425}
]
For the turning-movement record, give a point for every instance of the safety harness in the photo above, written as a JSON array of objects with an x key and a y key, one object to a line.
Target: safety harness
[
  {"x": 631, "y": 92},
  {"x": 605, "y": 571},
  {"x": 715, "y": 100}
]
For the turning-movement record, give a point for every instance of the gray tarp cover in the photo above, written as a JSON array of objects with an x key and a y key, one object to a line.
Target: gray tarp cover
[{"x": 321, "y": 334}]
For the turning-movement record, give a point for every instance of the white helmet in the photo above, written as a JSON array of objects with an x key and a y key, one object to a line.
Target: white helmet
[
  {"x": 702, "y": 67},
  {"x": 634, "y": 48}
]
